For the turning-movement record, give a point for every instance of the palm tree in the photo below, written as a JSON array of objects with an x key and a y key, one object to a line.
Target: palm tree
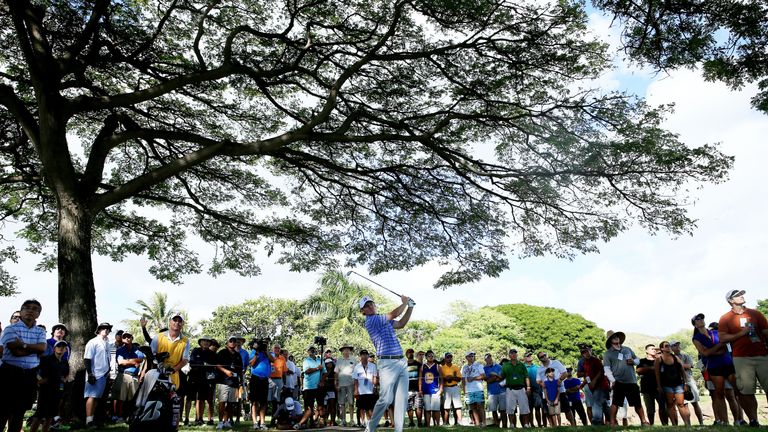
[
  {"x": 157, "y": 312},
  {"x": 335, "y": 301}
]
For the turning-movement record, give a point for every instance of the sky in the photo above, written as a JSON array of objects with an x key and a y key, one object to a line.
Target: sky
[{"x": 637, "y": 283}]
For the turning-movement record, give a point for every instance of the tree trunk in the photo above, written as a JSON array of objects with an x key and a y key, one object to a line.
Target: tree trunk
[{"x": 77, "y": 295}]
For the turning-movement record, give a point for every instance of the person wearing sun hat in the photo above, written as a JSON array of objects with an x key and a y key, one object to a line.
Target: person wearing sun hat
[
  {"x": 345, "y": 384},
  {"x": 621, "y": 361},
  {"x": 747, "y": 331}
]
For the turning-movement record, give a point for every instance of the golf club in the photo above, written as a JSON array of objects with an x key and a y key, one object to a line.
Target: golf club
[{"x": 376, "y": 283}]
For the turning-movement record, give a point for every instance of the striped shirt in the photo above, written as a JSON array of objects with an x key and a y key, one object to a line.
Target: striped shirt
[
  {"x": 383, "y": 335},
  {"x": 29, "y": 335}
]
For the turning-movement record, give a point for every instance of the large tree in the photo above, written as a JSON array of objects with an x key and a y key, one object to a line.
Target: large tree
[
  {"x": 385, "y": 133},
  {"x": 728, "y": 39}
]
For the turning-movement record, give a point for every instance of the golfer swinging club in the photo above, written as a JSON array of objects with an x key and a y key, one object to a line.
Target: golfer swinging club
[{"x": 393, "y": 373}]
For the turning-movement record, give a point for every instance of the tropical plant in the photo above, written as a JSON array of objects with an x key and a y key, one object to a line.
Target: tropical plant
[{"x": 157, "y": 311}]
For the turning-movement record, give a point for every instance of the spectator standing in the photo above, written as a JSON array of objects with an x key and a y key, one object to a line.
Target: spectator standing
[
  {"x": 620, "y": 361},
  {"x": 518, "y": 384},
  {"x": 229, "y": 363},
  {"x": 54, "y": 368},
  {"x": 129, "y": 358},
  {"x": 345, "y": 384},
  {"x": 473, "y": 376},
  {"x": 573, "y": 392},
  {"x": 535, "y": 401},
  {"x": 648, "y": 388},
  {"x": 560, "y": 374},
  {"x": 671, "y": 380},
  {"x": 23, "y": 342},
  {"x": 497, "y": 399},
  {"x": 451, "y": 376},
  {"x": 746, "y": 329},
  {"x": 430, "y": 388},
  {"x": 97, "y": 365},
  {"x": 202, "y": 362},
  {"x": 366, "y": 378},
  {"x": 551, "y": 385},
  {"x": 292, "y": 375},
  {"x": 687, "y": 362},
  {"x": 597, "y": 382},
  {"x": 312, "y": 367},
  {"x": 276, "y": 378},
  {"x": 415, "y": 403},
  {"x": 260, "y": 360},
  {"x": 59, "y": 332}
]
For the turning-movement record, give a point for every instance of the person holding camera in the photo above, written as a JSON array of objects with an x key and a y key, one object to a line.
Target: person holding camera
[
  {"x": 260, "y": 361},
  {"x": 393, "y": 366}
]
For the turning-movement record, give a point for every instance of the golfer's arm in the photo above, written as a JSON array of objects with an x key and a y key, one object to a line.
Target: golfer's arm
[
  {"x": 404, "y": 320},
  {"x": 396, "y": 312}
]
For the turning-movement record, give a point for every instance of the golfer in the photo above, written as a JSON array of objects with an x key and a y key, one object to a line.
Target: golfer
[{"x": 393, "y": 366}]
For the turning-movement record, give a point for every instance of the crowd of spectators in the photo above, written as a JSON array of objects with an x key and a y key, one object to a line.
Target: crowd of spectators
[{"x": 339, "y": 387}]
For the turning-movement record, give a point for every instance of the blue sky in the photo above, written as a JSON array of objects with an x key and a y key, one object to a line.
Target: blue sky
[{"x": 638, "y": 283}]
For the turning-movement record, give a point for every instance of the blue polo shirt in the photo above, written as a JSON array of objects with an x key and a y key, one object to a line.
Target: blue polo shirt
[
  {"x": 383, "y": 335},
  {"x": 494, "y": 388},
  {"x": 123, "y": 353},
  {"x": 29, "y": 335},
  {"x": 262, "y": 368}
]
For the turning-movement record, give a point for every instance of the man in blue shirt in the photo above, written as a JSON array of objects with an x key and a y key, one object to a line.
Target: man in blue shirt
[
  {"x": 312, "y": 369},
  {"x": 497, "y": 400},
  {"x": 392, "y": 365},
  {"x": 23, "y": 342}
]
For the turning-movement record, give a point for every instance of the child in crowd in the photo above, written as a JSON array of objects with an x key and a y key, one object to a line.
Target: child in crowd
[{"x": 552, "y": 390}]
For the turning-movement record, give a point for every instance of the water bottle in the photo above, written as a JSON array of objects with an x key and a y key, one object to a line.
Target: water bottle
[{"x": 753, "y": 337}]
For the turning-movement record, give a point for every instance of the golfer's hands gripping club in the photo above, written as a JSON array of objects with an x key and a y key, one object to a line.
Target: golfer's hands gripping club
[{"x": 407, "y": 300}]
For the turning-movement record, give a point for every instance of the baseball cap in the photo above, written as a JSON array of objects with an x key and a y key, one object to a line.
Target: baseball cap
[
  {"x": 674, "y": 342},
  {"x": 60, "y": 343},
  {"x": 363, "y": 352},
  {"x": 698, "y": 316},
  {"x": 469, "y": 353},
  {"x": 232, "y": 338},
  {"x": 714, "y": 325},
  {"x": 119, "y": 333},
  {"x": 127, "y": 335},
  {"x": 487, "y": 355},
  {"x": 328, "y": 360},
  {"x": 733, "y": 293},
  {"x": 513, "y": 351},
  {"x": 528, "y": 353},
  {"x": 447, "y": 355},
  {"x": 177, "y": 315},
  {"x": 363, "y": 301},
  {"x": 289, "y": 404}
]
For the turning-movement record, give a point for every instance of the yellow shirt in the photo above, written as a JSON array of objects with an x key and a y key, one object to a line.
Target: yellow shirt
[
  {"x": 450, "y": 371},
  {"x": 177, "y": 349}
]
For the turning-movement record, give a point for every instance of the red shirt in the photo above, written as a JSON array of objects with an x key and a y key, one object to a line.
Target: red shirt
[
  {"x": 592, "y": 367},
  {"x": 732, "y": 323}
]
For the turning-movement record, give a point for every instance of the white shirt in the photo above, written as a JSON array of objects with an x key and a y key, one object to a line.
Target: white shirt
[
  {"x": 97, "y": 350},
  {"x": 473, "y": 371},
  {"x": 364, "y": 377},
  {"x": 291, "y": 379},
  {"x": 345, "y": 368},
  {"x": 559, "y": 370}
]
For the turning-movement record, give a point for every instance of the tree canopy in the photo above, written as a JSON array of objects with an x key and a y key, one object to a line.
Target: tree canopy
[
  {"x": 554, "y": 331},
  {"x": 385, "y": 134},
  {"x": 727, "y": 38}
]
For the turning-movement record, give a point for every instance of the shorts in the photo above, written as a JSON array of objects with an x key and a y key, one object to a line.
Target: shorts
[
  {"x": 275, "y": 390},
  {"x": 258, "y": 389},
  {"x": 711, "y": 386},
  {"x": 329, "y": 396},
  {"x": 312, "y": 397},
  {"x": 452, "y": 397},
  {"x": 366, "y": 401},
  {"x": 517, "y": 399},
  {"x": 674, "y": 390},
  {"x": 722, "y": 371},
  {"x": 750, "y": 370},
  {"x": 431, "y": 402},
  {"x": 476, "y": 397},
  {"x": 535, "y": 400},
  {"x": 199, "y": 390},
  {"x": 125, "y": 388},
  {"x": 624, "y": 390},
  {"x": 95, "y": 390},
  {"x": 497, "y": 402},
  {"x": 415, "y": 401},
  {"x": 226, "y": 394},
  {"x": 347, "y": 395},
  {"x": 553, "y": 409}
]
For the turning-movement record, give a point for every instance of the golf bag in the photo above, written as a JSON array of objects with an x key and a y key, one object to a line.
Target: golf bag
[{"x": 158, "y": 407}]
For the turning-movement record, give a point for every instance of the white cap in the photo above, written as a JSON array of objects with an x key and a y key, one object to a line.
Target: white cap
[
  {"x": 289, "y": 404},
  {"x": 363, "y": 301}
]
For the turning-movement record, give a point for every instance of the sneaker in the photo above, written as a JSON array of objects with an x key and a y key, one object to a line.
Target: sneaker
[
  {"x": 210, "y": 422},
  {"x": 739, "y": 423},
  {"x": 256, "y": 426},
  {"x": 186, "y": 422},
  {"x": 91, "y": 425},
  {"x": 754, "y": 423},
  {"x": 411, "y": 424},
  {"x": 220, "y": 426},
  {"x": 297, "y": 426},
  {"x": 263, "y": 427},
  {"x": 386, "y": 423},
  {"x": 199, "y": 422}
]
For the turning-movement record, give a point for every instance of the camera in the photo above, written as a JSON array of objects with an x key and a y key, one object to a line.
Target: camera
[
  {"x": 320, "y": 340},
  {"x": 260, "y": 344}
]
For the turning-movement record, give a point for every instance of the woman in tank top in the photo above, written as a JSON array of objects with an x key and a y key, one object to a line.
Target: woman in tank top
[{"x": 670, "y": 380}]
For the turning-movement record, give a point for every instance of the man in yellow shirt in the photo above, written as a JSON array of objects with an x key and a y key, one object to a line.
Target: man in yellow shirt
[
  {"x": 176, "y": 345},
  {"x": 451, "y": 375}
]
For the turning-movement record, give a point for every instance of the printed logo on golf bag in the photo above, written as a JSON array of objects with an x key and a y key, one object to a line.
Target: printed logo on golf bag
[{"x": 152, "y": 411}]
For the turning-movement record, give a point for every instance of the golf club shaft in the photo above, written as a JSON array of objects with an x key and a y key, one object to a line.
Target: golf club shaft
[{"x": 374, "y": 282}]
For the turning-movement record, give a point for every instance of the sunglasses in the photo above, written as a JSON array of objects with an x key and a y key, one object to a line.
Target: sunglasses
[
  {"x": 16, "y": 317},
  {"x": 542, "y": 357}
]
